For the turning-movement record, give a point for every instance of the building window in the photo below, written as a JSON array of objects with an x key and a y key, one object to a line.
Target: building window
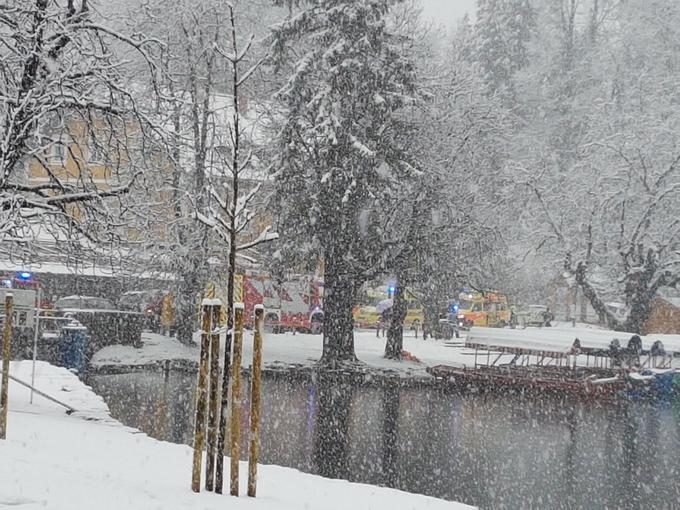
[{"x": 58, "y": 153}]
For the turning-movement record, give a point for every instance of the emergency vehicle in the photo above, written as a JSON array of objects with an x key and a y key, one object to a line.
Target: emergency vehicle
[
  {"x": 292, "y": 305},
  {"x": 485, "y": 308},
  {"x": 376, "y": 300}
]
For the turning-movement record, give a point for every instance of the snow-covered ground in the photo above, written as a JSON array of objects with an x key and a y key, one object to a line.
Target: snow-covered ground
[
  {"x": 306, "y": 349},
  {"x": 156, "y": 348},
  {"x": 87, "y": 460}
]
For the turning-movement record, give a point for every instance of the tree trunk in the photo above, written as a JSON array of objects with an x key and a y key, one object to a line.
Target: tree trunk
[
  {"x": 589, "y": 293},
  {"x": 637, "y": 315},
  {"x": 640, "y": 309},
  {"x": 185, "y": 321},
  {"x": 231, "y": 275},
  {"x": 395, "y": 332},
  {"x": 584, "y": 306},
  {"x": 177, "y": 168},
  {"x": 639, "y": 293},
  {"x": 185, "y": 305},
  {"x": 338, "y": 326}
]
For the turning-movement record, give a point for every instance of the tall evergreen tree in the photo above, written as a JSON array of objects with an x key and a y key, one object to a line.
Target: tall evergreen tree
[
  {"x": 502, "y": 32},
  {"x": 339, "y": 154}
]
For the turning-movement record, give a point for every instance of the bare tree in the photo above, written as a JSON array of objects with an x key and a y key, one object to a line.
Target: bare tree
[
  {"x": 196, "y": 110},
  {"x": 600, "y": 176},
  {"x": 230, "y": 210},
  {"x": 64, "y": 95}
]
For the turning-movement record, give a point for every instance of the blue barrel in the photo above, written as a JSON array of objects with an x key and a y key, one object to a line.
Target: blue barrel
[
  {"x": 73, "y": 339},
  {"x": 663, "y": 384}
]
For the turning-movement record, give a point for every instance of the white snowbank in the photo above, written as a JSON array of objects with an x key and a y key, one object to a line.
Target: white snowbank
[{"x": 54, "y": 461}]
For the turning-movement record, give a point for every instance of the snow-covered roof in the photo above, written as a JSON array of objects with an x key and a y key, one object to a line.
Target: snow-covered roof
[{"x": 81, "y": 269}]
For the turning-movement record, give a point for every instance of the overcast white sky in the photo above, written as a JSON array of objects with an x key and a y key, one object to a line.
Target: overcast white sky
[{"x": 447, "y": 12}]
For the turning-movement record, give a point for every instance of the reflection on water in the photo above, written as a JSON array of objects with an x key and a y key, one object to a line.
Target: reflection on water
[{"x": 494, "y": 451}]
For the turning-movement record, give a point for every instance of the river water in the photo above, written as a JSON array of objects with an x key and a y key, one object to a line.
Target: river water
[{"x": 489, "y": 450}]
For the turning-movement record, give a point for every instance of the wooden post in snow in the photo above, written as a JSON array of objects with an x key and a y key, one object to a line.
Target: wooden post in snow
[
  {"x": 201, "y": 395},
  {"x": 235, "y": 422},
  {"x": 255, "y": 402},
  {"x": 6, "y": 353},
  {"x": 213, "y": 416}
]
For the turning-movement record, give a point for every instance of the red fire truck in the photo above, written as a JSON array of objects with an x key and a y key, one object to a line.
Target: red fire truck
[{"x": 293, "y": 305}]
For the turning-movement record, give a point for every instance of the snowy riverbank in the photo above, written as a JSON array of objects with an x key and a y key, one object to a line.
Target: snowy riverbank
[
  {"x": 303, "y": 349},
  {"x": 51, "y": 460}
]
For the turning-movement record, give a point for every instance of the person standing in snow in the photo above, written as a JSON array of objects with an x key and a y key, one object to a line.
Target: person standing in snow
[
  {"x": 168, "y": 314},
  {"x": 384, "y": 321},
  {"x": 548, "y": 317}
]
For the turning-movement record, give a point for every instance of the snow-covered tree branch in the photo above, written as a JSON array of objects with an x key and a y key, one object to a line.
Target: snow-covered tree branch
[{"x": 71, "y": 130}]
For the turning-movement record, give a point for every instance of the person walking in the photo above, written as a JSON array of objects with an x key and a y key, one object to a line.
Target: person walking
[{"x": 384, "y": 322}]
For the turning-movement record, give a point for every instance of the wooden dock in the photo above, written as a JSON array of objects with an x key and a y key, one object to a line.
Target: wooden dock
[{"x": 578, "y": 370}]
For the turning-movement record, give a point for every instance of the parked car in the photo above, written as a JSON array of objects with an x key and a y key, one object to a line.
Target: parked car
[
  {"x": 83, "y": 303},
  {"x": 535, "y": 315},
  {"x": 140, "y": 300},
  {"x": 148, "y": 302},
  {"x": 105, "y": 324}
]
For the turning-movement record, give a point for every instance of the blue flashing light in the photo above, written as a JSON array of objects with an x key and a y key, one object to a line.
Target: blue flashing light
[
  {"x": 24, "y": 275},
  {"x": 391, "y": 290},
  {"x": 7, "y": 283}
]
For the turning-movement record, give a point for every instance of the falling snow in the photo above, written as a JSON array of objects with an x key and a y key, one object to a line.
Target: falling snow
[{"x": 446, "y": 232}]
